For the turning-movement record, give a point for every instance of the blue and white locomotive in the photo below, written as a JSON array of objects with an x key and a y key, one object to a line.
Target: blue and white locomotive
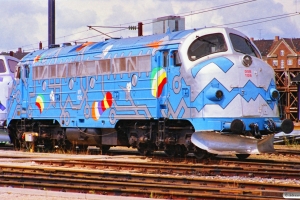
[
  {"x": 194, "y": 91},
  {"x": 7, "y": 70}
]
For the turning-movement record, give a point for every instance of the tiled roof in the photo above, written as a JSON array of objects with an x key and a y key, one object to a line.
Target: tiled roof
[
  {"x": 264, "y": 46},
  {"x": 294, "y": 43}
]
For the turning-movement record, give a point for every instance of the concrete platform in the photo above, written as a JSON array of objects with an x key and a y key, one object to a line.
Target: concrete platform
[{"x": 7, "y": 193}]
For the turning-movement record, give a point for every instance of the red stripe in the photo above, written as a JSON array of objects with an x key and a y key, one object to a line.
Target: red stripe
[
  {"x": 39, "y": 106},
  {"x": 161, "y": 86}
]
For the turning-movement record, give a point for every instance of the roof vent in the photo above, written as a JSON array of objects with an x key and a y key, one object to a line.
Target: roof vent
[
  {"x": 66, "y": 44},
  {"x": 53, "y": 46}
]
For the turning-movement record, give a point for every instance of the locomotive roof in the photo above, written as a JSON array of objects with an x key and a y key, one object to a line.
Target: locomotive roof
[
  {"x": 103, "y": 50},
  {"x": 151, "y": 41}
]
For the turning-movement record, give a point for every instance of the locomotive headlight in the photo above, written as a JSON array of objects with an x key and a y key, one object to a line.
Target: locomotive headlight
[
  {"x": 274, "y": 94},
  {"x": 247, "y": 60},
  {"x": 219, "y": 94},
  {"x": 214, "y": 94}
]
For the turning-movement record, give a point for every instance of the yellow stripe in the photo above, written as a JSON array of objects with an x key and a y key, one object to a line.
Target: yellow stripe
[
  {"x": 161, "y": 78},
  {"x": 105, "y": 103}
]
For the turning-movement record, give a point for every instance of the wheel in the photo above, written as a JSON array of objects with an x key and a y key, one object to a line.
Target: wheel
[
  {"x": 143, "y": 149},
  {"x": 183, "y": 151},
  {"x": 170, "y": 152},
  {"x": 176, "y": 151},
  {"x": 200, "y": 153},
  {"x": 242, "y": 156},
  {"x": 211, "y": 155},
  {"x": 105, "y": 148}
]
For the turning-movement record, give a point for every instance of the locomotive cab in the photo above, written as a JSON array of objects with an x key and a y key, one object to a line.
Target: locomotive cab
[{"x": 238, "y": 98}]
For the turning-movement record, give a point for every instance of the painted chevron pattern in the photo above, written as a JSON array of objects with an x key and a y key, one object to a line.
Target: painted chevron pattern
[{"x": 251, "y": 92}]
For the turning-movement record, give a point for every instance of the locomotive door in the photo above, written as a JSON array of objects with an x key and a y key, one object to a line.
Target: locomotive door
[
  {"x": 169, "y": 102},
  {"x": 160, "y": 73},
  {"x": 22, "y": 76}
]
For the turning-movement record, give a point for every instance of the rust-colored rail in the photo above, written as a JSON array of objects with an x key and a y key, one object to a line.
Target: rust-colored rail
[
  {"x": 251, "y": 168},
  {"x": 136, "y": 184}
]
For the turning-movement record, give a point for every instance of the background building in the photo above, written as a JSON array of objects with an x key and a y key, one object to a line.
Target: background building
[
  {"x": 18, "y": 54},
  {"x": 283, "y": 54},
  {"x": 173, "y": 23}
]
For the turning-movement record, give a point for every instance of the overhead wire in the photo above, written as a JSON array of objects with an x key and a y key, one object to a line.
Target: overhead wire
[
  {"x": 186, "y": 14},
  {"x": 274, "y": 18},
  {"x": 124, "y": 28},
  {"x": 182, "y": 14},
  {"x": 264, "y": 19}
]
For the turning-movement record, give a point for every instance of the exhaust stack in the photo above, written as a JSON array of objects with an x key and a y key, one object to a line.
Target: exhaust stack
[{"x": 51, "y": 22}]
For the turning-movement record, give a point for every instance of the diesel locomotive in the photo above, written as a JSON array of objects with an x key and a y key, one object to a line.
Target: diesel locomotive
[{"x": 203, "y": 91}]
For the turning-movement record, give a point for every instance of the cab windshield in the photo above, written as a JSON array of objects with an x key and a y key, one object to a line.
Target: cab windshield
[
  {"x": 206, "y": 45},
  {"x": 243, "y": 45},
  {"x": 12, "y": 65},
  {"x": 2, "y": 66}
]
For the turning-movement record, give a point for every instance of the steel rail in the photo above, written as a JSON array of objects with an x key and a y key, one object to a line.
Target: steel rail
[
  {"x": 276, "y": 170},
  {"x": 87, "y": 181}
]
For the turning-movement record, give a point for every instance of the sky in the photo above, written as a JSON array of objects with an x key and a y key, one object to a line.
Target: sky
[{"x": 25, "y": 23}]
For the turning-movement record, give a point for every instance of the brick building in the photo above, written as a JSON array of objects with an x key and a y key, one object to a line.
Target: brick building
[
  {"x": 283, "y": 54},
  {"x": 18, "y": 54}
]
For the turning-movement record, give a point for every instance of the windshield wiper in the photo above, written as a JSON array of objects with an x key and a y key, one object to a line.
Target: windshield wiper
[{"x": 204, "y": 40}]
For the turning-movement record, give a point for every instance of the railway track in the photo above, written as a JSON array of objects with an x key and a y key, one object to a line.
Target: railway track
[
  {"x": 161, "y": 177},
  {"x": 210, "y": 179},
  {"x": 136, "y": 184},
  {"x": 289, "y": 152},
  {"x": 251, "y": 168}
]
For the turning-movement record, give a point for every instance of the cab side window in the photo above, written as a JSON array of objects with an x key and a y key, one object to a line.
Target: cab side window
[
  {"x": 165, "y": 59},
  {"x": 176, "y": 58}
]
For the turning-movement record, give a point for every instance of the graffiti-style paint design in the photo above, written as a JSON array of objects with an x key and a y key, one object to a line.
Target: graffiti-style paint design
[
  {"x": 158, "y": 80},
  {"x": 154, "y": 44},
  {"x": 99, "y": 107},
  {"x": 39, "y": 102},
  {"x": 38, "y": 58},
  {"x": 140, "y": 88},
  {"x": 2, "y": 107},
  {"x": 223, "y": 63},
  {"x": 147, "y": 91},
  {"x": 82, "y": 46}
]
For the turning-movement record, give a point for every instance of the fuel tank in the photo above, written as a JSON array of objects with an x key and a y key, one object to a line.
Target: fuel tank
[{"x": 87, "y": 136}]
